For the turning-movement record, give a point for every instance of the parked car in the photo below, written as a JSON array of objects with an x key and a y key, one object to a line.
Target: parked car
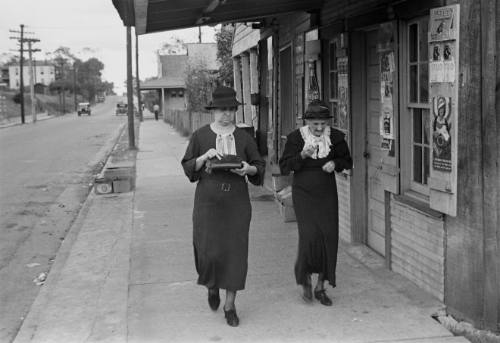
[
  {"x": 101, "y": 98},
  {"x": 121, "y": 108},
  {"x": 83, "y": 107}
]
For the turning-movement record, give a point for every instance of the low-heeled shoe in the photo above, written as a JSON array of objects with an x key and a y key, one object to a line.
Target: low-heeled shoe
[
  {"x": 323, "y": 298},
  {"x": 231, "y": 317},
  {"x": 213, "y": 300}
]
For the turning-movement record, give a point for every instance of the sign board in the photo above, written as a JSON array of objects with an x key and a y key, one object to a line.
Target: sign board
[{"x": 443, "y": 43}]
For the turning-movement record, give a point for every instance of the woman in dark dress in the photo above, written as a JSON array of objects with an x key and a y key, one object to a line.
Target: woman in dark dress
[
  {"x": 222, "y": 210},
  {"x": 313, "y": 153}
]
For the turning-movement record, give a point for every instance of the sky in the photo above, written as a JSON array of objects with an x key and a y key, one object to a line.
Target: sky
[{"x": 90, "y": 28}]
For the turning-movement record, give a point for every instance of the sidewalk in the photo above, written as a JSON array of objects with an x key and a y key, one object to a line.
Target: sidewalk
[
  {"x": 126, "y": 273},
  {"x": 28, "y": 119}
]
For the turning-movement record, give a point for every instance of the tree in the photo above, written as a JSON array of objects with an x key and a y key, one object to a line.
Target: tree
[
  {"x": 199, "y": 85},
  {"x": 224, "y": 39},
  {"x": 89, "y": 78}
]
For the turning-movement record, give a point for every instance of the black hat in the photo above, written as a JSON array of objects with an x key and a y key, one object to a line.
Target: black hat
[
  {"x": 317, "y": 109},
  {"x": 223, "y": 97}
]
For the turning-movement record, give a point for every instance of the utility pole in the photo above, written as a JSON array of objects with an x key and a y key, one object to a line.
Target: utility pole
[
  {"x": 199, "y": 34},
  {"x": 21, "y": 82},
  {"x": 32, "y": 85},
  {"x": 74, "y": 86},
  {"x": 130, "y": 91},
  {"x": 139, "y": 104}
]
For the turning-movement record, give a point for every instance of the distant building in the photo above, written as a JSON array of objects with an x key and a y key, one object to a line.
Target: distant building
[
  {"x": 44, "y": 73},
  {"x": 172, "y": 70}
]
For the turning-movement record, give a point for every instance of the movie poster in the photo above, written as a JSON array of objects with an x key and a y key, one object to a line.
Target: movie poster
[
  {"x": 343, "y": 93},
  {"x": 443, "y": 24},
  {"x": 441, "y": 133},
  {"x": 442, "y": 65},
  {"x": 386, "y": 125}
]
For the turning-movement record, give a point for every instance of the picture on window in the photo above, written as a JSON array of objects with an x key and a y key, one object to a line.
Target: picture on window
[{"x": 441, "y": 133}]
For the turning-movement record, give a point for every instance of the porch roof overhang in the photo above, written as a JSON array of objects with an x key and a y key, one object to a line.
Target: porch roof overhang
[
  {"x": 162, "y": 15},
  {"x": 165, "y": 83}
]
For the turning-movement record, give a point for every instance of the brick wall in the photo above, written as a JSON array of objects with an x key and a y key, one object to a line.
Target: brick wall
[
  {"x": 343, "y": 190},
  {"x": 418, "y": 247}
]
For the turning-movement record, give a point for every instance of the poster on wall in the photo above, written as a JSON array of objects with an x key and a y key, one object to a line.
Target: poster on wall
[
  {"x": 443, "y": 24},
  {"x": 343, "y": 93},
  {"x": 441, "y": 133},
  {"x": 442, "y": 66},
  {"x": 386, "y": 125}
]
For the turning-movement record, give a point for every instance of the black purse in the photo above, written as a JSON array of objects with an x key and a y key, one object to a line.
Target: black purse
[{"x": 227, "y": 162}]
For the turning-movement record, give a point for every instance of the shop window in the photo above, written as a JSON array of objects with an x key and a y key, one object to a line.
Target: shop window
[
  {"x": 418, "y": 107},
  {"x": 299, "y": 51},
  {"x": 338, "y": 85}
]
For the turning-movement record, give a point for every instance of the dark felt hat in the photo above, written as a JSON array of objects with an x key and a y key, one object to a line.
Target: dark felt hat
[
  {"x": 223, "y": 97},
  {"x": 317, "y": 109}
]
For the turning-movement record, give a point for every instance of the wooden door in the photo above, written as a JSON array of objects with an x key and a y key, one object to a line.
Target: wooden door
[
  {"x": 286, "y": 115},
  {"x": 375, "y": 196}
]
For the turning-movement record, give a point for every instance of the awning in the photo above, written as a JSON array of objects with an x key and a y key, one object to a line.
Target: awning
[
  {"x": 161, "y": 15},
  {"x": 163, "y": 83}
]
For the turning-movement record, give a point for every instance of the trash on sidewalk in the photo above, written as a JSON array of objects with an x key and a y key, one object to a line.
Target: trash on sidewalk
[
  {"x": 283, "y": 194},
  {"x": 115, "y": 178},
  {"x": 40, "y": 279}
]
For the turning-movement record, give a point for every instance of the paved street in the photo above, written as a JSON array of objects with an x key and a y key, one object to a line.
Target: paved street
[
  {"x": 128, "y": 275},
  {"x": 45, "y": 170}
]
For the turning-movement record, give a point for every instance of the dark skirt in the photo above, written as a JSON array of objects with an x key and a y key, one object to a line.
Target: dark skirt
[
  {"x": 315, "y": 200},
  {"x": 221, "y": 221}
]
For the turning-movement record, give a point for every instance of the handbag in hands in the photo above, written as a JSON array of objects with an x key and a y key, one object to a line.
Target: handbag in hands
[{"x": 227, "y": 162}]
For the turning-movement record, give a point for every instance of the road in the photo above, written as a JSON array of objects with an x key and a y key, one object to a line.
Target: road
[{"x": 45, "y": 171}]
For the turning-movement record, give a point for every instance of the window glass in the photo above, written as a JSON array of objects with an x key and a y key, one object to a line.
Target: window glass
[
  {"x": 417, "y": 163},
  {"x": 424, "y": 82},
  {"x": 413, "y": 83},
  {"x": 417, "y": 126},
  {"x": 413, "y": 42}
]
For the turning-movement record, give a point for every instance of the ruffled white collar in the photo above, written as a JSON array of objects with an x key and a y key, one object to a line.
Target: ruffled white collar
[{"x": 322, "y": 143}]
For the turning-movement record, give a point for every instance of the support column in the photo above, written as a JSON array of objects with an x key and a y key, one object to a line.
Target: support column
[
  {"x": 163, "y": 103},
  {"x": 237, "y": 87},
  {"x": 254, "y": 84},
  {"x": 245, "y": 71}
]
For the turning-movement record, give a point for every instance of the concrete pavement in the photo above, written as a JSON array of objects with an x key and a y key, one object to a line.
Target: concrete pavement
[{"x": 126, "y": 273}]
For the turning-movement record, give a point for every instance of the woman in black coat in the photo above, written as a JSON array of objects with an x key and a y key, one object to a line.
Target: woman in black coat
[
  {"x": 313, "y": 153},
  {"x": 222, "y": 210}
]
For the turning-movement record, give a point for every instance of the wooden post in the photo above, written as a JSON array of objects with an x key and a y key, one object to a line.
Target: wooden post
[
  {"x": 240, "y": 116},
  {"x": 130, "y": 99},
  {"x": 490, "y": 169},
  {"x": 139, "y": 104},
  {"x": 32, "y": 86}
]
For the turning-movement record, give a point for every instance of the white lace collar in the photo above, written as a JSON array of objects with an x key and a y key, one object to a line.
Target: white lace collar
[{"x": 322, "y": 142}]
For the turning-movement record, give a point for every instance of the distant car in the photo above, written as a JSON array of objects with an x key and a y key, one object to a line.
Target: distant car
[
  {"x": 101, "y": 98},
  {"x": 121, "y": 108},
  {"x": 83, "y": 107}
]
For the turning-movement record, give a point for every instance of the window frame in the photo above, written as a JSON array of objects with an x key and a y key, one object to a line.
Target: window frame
[{"x": 410, "y": 187}]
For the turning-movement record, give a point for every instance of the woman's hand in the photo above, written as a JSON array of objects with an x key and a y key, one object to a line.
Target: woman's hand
[
  {"x": 211, "y": 153},
  {"x": 308, "y": 151},
  {"x": 246, "y": 169},
  {"x": 329, "y": 167}
]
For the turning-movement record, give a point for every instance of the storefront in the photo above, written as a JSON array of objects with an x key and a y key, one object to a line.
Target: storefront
[{"x": 414, "y": 86}]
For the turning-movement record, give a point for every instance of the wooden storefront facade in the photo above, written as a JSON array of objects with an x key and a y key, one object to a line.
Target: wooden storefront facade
[
  {"x": 429, "y": 208},
  {"x": 414, "y": 85}
]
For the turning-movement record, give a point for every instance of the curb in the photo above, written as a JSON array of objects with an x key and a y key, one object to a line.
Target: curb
[{"x": 71, "y": 236}]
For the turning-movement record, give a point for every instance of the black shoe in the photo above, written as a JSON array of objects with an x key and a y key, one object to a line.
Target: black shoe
[
  {"x": 322, "y": 297},
  {"x": 307, "y": 293},
  {"x": 213, "y": 298},
  {"x": 231, "y": 317}
]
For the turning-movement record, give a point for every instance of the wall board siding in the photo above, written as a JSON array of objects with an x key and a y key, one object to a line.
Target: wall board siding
[
  {"x": 417, "y": 243},
  {"x": 344, "y": 194}
]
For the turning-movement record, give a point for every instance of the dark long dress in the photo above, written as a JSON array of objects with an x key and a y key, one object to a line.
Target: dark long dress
[
  {"x": 222, "y": 212},
  {"x": 315, "y": 200}
]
